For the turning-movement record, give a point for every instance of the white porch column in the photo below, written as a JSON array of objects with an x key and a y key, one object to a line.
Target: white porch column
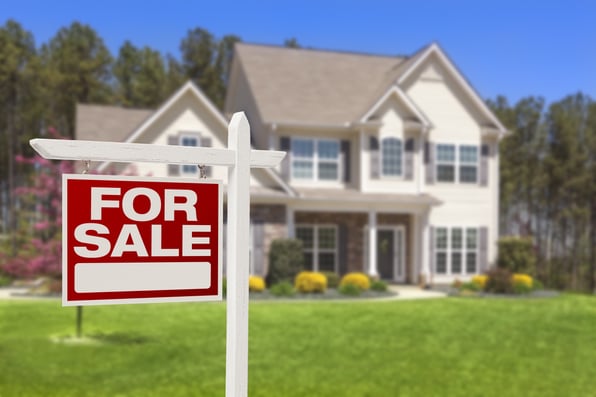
[
  {"x": 425, "y": 246},
  {"x": 290, "y": 222},
  {"x": 372, "y": 244}
]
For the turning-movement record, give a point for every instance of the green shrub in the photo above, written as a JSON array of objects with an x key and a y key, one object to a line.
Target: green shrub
[
  {"x": 499, "y": 281},
  {"x": 360, "y": 280},
  {"x": 5, "y": 280},
  {"x": 350, "y": 289},
  {"x": 284, "y": 288},
  {"x": 224, "y": 287},
  {"x": 470, "y": 286},
  {"x": 332, "y": 279},
  {"x": 286, "y": 260},
  {"x": 378, "y": 285},
  {"x": 517, "y": 255},
  {"x": 537, "y": 285}
]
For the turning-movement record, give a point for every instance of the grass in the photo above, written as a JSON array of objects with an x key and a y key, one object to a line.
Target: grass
[{"x": 448, "y": 347}]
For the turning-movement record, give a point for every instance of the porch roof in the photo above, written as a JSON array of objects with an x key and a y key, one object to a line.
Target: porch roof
[{"x": 356, "y": 196}]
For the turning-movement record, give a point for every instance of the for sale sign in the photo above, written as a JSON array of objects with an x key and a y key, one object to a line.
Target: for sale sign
[{"x": 140, "y": 240}]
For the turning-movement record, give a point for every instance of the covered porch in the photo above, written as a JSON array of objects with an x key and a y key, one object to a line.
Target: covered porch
[{"x": 385, "y": 236}]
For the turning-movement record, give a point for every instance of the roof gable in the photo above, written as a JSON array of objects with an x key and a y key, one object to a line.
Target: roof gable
[
  {"x": 403, "y": 98},
  {"x": 435, "y": 51}
]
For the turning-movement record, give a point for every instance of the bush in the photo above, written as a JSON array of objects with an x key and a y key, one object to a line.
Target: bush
[
  {"x": 284, "y": 288},
  {"x": 378, "y": 285},
  {"x": 307, "y": 282},
  {"x": 360, "y": 280},
  {"x": 470, "y": 286},
  {"x": 537, "y": 285},
  {"x": 480, "y": 281},
  {"x": 517, "y": 254},
  {"x": 285, "y": 260},
  {"x": 256, "y": 284},
  {"x": 499, "y": 281},
  {"x": 350, "y": 289},
  {"x": 522, "y": 279},
  {"x": 5, "y": 280},
  {"x": 224, "y": 287},
  {"x": 332, "y": 279}
]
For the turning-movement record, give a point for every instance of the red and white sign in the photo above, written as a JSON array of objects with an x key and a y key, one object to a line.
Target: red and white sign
[{"x": 140, "y": 240}]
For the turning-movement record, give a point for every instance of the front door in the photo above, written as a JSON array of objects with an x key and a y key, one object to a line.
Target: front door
[
  {"x": 390, "y": 253},
  {"x": 385, "y": 254}
]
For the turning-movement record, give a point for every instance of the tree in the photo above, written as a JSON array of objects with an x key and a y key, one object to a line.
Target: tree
[
  {"x": 206, "y": 61},
  {"x": 292, "y": 43},
  {"x": 125, "y": 69},
  {"x": 78, "y": 70},
  {"x": 39, "y": 244},
  {"x": 141, "y": 76},
  {"x": 20, "y": 108}
]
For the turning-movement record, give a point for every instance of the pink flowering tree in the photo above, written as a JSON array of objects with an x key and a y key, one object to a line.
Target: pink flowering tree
[{"x": 38, "y": 239}]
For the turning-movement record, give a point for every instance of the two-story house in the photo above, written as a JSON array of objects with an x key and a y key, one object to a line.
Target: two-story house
[{"x": 392, "y": 165}]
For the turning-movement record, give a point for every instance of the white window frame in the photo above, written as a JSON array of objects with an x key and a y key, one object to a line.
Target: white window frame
[
  {"x": 185, "y": 169},
  {"x": 316, "y": 250},
  {"x": 457, "y": 163},
  {"x": 401, "y": 158},
  {"x": 449, "y": 250},
  {"x": 316, "y": 160}
]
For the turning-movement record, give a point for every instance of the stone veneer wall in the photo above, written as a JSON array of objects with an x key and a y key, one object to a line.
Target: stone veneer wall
[
  {"x": 354, "y": 224},
  {"x": 273, "y": 218}
]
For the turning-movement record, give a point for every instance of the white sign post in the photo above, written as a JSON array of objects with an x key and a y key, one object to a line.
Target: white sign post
[{"x": 239, "y": 158}]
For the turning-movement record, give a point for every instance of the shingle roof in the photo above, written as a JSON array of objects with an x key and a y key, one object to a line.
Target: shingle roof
[
  {"x": 107, "y": 123},
  {"x": 297, "y": 85}
]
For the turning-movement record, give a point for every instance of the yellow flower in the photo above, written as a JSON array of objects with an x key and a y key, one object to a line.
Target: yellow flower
[
  {"x": 523, "y": 279},
  {"x": 480, "y": 280},
  {"x": 359, "y": 280},
  {"x": 310, "y": 282},
  {"x": 256, "y": 284}
]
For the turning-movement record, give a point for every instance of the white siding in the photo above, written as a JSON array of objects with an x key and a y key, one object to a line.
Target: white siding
[{"x": 456, "y": 122}]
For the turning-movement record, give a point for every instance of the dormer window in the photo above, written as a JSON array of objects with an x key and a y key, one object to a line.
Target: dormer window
[
  {"x": 391, "y": 157},
  {"x": 315, "y": 159},
  {"x": 189, "y": 140}
]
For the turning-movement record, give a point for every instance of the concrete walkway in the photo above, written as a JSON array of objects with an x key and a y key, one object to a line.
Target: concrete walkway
[{"x": 410, "y": 292}]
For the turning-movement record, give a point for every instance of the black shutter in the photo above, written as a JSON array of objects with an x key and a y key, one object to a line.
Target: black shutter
[
  {"x": 258, "y": 238},
  {"x": 345, "y": 152},
  {"x": 173, "y": 169},
  {"x": 429, "y": 162},
  {"x": 206, "y": 142},
  {"x": 483, "y": 249},
  {"x": 432, "y": 259},
  {"x": 342, "y": 267},
  {"x": 483, "y": 171},
  {"x": 409, "y": 159},
  {"x": 373, "y": 145},
  {"x": 285, "y": 144}
]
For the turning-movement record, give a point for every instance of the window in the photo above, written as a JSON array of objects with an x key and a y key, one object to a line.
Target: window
[
  {"x": 189, "y": 140},
  {"x": 315, "y": 159},
  {"x": 446, "y": 163},
  {"x": 319, "y": 243},
  {"x": 468, "y": 164},
  {"x": 456, "y": 250},
  {"x": 391, "y": 163},
  {"x": 462, "y": 167}
]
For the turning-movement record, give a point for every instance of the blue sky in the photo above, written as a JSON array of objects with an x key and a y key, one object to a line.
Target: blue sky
[{"x": 514, "y": 48}]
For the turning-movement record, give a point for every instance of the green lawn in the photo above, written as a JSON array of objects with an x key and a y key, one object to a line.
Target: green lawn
[{"x": 447, "y": 347}]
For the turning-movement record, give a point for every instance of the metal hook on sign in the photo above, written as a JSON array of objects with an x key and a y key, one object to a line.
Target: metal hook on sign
[
  {"x": 87, "y": 164},
  {"x": 202, "y": 171}
]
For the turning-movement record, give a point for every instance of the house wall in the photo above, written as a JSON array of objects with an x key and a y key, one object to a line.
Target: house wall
[{"x": 456, "y": 121}]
